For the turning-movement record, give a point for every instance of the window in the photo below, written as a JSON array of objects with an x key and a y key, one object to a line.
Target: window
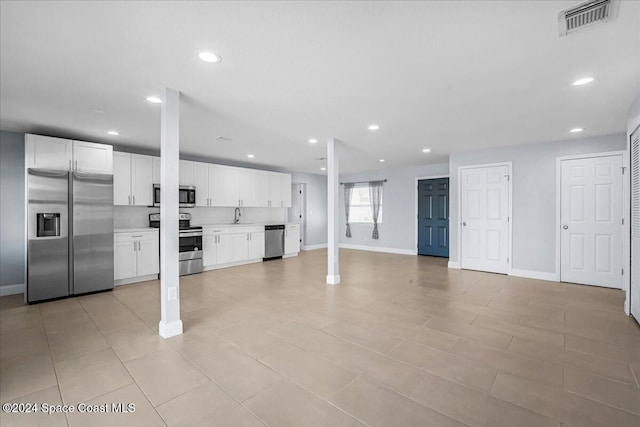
[{"x": 360, "y": 209}]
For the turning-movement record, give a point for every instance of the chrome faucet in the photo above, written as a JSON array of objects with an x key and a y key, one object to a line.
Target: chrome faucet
[{"x": 236, "y": 216}]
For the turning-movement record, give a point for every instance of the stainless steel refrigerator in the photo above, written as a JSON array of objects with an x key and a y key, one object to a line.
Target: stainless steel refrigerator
[{"x": 69, "y": 234}]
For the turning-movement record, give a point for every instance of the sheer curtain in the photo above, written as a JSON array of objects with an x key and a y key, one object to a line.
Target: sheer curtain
[
  {"x": 375, "y": 197},
  {"x": 348, "y": 190}
]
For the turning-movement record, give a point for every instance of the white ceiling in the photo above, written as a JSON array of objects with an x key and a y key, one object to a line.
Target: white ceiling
[{"x": 450, "y": 76}]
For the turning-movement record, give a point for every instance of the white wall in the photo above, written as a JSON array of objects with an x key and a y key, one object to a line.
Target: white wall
[
  {"x": 534, "y": 194},
  {"x": 398, "y": 228},
  {"x": 316, "y": 206},
  {"x": 12, "y": 213}
]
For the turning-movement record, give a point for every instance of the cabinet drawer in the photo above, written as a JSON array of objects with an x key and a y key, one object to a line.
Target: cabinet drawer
[{"x": 131, "y": 236}]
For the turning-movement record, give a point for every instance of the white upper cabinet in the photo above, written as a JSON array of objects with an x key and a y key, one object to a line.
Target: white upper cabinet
[
  {"x": 141, "y": 180},
  {"x": 261, "y": 189},
  {"x": 201, "y": 173},
  {"x": 132, "y": 179},
  {"x": 156, "y": 171},
  {"x": 227, "y": 187},
  {"x": 187, "y": 173},
  {"x": 89, "y": 157},
  {"x": 279, "y": 190},
  {"x": 45, "y": 152},
  {"x": 121, "y": 178}
]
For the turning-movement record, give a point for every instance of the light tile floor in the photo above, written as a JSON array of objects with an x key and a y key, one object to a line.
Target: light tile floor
[{"x": 403, "y": 341}]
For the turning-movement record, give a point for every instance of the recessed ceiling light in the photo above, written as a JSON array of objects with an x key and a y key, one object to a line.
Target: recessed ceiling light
[
  {"x": 313, "y": 141},
  {"x": 323, "y": 169},
  {"x": 251, "y": 156},
  {"x": 576, "y": 130},
  {"x": 207, "y": 56},
  {"x": 154, "y": 99},
  {"x": 374, "y": 127},
  {"x": 382, "y": 160},
  {"x": 113, "y": 132},
  {"x": 426, "y": 150},
  {"x": 583, "y": 81}
]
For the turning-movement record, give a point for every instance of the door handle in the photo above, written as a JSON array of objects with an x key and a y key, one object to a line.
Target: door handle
[
  {"x": 565, "y": 227},
  {"x": 464, "y": 224}
]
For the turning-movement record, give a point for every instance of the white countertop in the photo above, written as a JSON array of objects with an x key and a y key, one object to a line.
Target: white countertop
[
  {"x": 135, "y": 230},
  {"x": 247, "y": 224}
]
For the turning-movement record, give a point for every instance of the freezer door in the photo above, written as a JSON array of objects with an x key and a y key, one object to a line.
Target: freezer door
[
  {"x": 47, "y": 250},
  {"x": 92, "y": 229}
]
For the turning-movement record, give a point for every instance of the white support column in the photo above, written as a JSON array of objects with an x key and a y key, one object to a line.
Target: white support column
[
  {"x": 170, "y": 323},
  {"x": 333, "y": 204}
]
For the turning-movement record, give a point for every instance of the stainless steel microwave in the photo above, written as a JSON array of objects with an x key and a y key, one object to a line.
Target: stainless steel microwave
[{"x": 186, "y": 196}]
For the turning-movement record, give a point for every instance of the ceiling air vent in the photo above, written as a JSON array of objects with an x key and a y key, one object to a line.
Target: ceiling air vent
[{"x": 586, "y": 15}]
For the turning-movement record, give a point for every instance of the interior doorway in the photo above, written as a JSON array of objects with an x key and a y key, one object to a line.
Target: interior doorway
[
  {"x": 592, "y": 220},
  {"x": 297, "y": 213},
  {"x": 485, "y": 215},
  {"x": 433, "y": 217}
]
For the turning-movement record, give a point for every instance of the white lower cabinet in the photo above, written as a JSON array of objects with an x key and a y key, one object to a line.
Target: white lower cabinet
[
  {"x": 224, "y": 246},
  {"x": 136, "y": 256},
  {"x": 292, "y": 239},
  {"x": 256, "y": 245}
]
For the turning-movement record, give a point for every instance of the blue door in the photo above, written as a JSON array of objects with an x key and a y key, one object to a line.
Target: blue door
[{"x": 433, "y": 217}]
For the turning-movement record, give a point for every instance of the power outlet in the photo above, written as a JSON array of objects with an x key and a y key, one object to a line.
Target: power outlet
[{"x": 173, "y": 294}]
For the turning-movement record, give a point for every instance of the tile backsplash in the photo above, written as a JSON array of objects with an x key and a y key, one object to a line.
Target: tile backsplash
[{"x": 138, "y": 216}]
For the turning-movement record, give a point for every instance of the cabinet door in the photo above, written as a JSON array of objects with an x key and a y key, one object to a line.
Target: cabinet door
[
  {"x": 141, "y": 180},
  {"x": 233, "y": 247},
  {"x": 124, "y": 254},
  {"x": 121, "y": 178},
  {"x": 227, "y": 187},
  {"x": 209, "y": 250},
  {"x": 256, "y": 245},
  {"x": 261, "y": 188},
  {"x": 201, "y": 171},
  {"x": 148, "y": 254},
  {"x": 89, "y": 157},
  {"x": 45, "y": 152},
  {"x": 214, "y": 177},
  {"x": 156, "y": 171},
  {"x": 286, "y": 190},
  {"x": 273, "y": 188},
  {"x": 246, "y": 187},
  {"x": 291, "y": 241},
  {"x": 187, "y": 173}
]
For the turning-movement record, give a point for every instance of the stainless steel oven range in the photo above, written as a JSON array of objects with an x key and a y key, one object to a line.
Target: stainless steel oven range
[{"x": 190, "y": 243}]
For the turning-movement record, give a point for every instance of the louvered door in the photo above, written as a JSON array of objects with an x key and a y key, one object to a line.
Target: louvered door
[{"x": 635, "y": 224}]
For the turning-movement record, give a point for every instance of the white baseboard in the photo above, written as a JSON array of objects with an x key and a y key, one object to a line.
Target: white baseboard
[
  {"x": 378, "y": 249},
  {"x": 532, "y": 274},
  {"x": 12, "y": 289},
  {"x": 333, "y": 280},
  {"x": 313, "y": 247},
  {"x": 290, "y": 255},
  {"x": 453, "y": 264},
  {"x": 171, "y": 329},
  {"x": 131, "y": 280},
  {"x": 231, "y": 264}
]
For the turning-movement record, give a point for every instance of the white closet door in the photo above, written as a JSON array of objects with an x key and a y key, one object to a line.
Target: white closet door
[
  {"x": 485, "y": 219},
  {"x": 591, "y": 221},
  {"x": 635, "y": 224}
]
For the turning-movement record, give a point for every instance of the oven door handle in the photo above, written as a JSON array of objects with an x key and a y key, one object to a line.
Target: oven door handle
[{"x": 194, "y": 234}]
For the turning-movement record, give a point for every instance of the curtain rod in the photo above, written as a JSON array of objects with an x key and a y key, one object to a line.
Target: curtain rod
[{"x": 363, "y": 182}]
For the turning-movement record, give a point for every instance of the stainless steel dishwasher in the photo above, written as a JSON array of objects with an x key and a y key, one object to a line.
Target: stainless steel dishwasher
[{"x": 273, "y": 241}]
